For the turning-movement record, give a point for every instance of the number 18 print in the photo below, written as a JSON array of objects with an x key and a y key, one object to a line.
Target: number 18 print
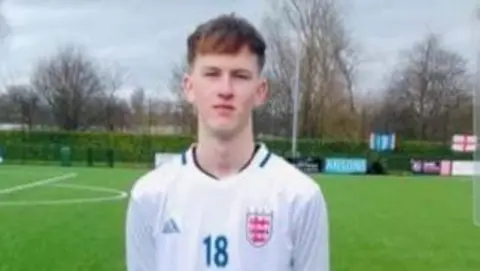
[{"x": 216, "y": 250}]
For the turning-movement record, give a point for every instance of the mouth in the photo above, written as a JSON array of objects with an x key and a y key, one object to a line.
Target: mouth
[
  {"x": 224, "y": 107},
  {"x": 224, "y": 110}
]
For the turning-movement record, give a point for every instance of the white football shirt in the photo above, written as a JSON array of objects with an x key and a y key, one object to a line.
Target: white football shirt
[{"x": 268, "y": 217}]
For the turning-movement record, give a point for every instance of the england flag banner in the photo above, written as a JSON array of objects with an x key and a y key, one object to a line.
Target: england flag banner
[
  {"x": 464, "y": 143},
  {"x": 382, "y": 142}
]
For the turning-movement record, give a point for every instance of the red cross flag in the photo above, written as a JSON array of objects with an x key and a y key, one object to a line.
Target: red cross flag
[{"x": 464, "y": 143}]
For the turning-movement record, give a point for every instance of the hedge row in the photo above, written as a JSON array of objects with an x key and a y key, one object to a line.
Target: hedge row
[{"x": 140, "y": 148}]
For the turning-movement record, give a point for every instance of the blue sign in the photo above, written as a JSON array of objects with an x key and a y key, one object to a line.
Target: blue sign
[
  {"x": 345, "y": 165},
  {"x": 382, "y": 142}
]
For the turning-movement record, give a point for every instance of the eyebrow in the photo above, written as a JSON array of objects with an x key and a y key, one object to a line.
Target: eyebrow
[{"x": 240, "y": 70}]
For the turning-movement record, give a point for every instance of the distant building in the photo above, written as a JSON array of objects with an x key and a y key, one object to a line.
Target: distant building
[
  {"x": 11, "y": 127},
  {"x": 166, "y": 129}
]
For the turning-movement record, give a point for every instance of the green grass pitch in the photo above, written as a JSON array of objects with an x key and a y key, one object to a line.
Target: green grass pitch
[{"x": 377, "y": 223}]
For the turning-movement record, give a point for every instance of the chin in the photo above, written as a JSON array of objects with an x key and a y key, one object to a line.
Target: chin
[{"x": 223, "y": 131}]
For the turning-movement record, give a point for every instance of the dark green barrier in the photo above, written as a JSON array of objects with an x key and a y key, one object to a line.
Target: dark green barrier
[
  {"x": 175, "y": 143},
  {"x": 109, "y": 149},
  {"x": 89, "y": 157},
  {"x": 65, "y": 156}
]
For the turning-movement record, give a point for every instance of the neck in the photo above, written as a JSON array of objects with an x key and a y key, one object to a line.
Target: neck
[{"x": 221, "y": 157}]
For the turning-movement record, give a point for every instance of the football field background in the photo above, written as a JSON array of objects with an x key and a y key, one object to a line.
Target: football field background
[{"x": 71, "y": 219}]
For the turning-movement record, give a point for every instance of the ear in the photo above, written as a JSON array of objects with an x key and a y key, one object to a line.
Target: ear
[
  {"x": 187, "y": 87},
  {"x": 261, "y": 94}
]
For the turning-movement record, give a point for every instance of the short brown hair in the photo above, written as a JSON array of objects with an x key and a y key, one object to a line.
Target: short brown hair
[{"x": 226, "y": 34}]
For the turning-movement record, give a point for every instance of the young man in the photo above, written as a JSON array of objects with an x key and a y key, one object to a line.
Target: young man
[{"x": 227, "y": 203}]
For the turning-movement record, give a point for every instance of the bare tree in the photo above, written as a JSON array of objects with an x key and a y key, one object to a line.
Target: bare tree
[
  {"x": 275, "y": 117},
  {"x": 429, "y": 93},
  {"x": 70, "y": 82},
  {"x": 114, "y": 112},
  {"x": 369, "y": 106},
  {"x": 24, "y": 104},
  {"x": 150, "y": 113},
  {"x": 7, "y": 113},
  {"x": 328, "y": 62},
  {"x": 161, "y": 115},
  {"x": 184, "y": 113},
  {"x": 138, "y": 105}
]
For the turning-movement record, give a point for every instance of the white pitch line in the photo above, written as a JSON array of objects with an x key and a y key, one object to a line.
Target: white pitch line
[
  {"x": 63, "y": 201},
  {"x": 118, "y": 195},
  {"x": 37, "y": 183},
  {"x": 92, "y": 188}
]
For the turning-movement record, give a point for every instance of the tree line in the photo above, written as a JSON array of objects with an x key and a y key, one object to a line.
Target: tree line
[
  {"x": 428, "y": 96},
  {"x": 70, "y": 91}
]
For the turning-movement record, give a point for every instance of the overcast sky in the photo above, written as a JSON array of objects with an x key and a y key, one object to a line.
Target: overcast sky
[{"x": 144, "y": 37}]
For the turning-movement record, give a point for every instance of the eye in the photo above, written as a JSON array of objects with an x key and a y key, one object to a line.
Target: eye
[
  {"x": 242, "y": 76},
  {"x": 211, "y": 74}
]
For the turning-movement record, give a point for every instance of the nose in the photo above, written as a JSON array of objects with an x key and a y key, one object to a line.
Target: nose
[
  {"x": 226, "y": 88},
  {"x": 225, "y": 96}
]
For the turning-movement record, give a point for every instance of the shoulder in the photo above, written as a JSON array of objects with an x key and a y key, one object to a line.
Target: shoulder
[
  {"x": 290, "y": 179},
  {"x": 303, "y": 194},
  {"x": 155, "y": 182}
]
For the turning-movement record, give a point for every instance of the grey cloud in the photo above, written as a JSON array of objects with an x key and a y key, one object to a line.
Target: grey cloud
[
  {"x": 385, "y": 28},
  {"x": 143, "y": 37},
  {"x": 146, "y": 37}
]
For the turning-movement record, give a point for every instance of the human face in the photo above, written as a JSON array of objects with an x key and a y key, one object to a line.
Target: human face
[{"x": 225, "y": 89}]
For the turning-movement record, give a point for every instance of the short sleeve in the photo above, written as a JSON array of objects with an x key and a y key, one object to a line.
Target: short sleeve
[
  {"x": 311, "y": 234},
  {"x": 140, "y": 246}
]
